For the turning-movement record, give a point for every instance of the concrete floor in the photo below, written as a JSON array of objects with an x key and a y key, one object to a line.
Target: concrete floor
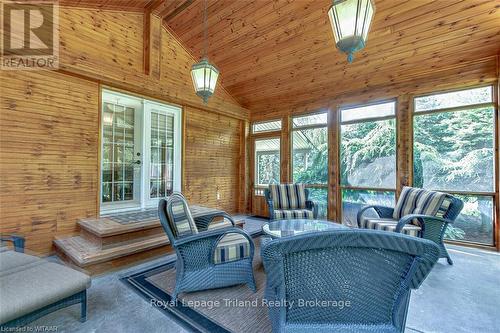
[{"x": 460, "y": 298}]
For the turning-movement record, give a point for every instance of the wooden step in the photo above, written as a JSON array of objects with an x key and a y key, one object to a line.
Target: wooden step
[
  {"x": 84, "y": 252},
  {"x": 107, "y": 242},
  {"x": 106, "y": 227}
]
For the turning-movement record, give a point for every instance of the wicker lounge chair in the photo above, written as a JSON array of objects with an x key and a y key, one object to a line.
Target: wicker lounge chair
[
  {"x": 290, "y": 201},
  {"x": 344, "y": 281},
  {"x": 419, "y": 213},
  {"x": 207, "y": 259}
]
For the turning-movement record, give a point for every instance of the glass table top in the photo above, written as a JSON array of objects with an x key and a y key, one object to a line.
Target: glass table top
[{"x": 287, "y": 228}]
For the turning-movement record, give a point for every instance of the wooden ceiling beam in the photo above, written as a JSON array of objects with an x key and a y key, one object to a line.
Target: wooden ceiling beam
[
  {"x": 153, "y": 5},
  {"x": 148, "y": 30},
  {"x": 174, "y": 8}
]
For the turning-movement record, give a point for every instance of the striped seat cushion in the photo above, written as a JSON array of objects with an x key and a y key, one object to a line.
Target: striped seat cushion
[
  {"x": 180, "y": 219},
  {"x": 231, "y": 247},
  {"x": 280, "y": 214},
  {"x": 288, "y": 196},
  {"x": 419, "y": 201},
  {"x": 389, "y": 225}
]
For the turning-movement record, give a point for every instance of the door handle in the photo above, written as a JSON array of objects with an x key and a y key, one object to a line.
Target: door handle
[{"x": 138, "y": 162}]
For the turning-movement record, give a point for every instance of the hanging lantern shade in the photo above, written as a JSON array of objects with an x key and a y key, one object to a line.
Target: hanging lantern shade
[
  {"x": 204, "y": 76},
  {"x": 351, "y": 20}
]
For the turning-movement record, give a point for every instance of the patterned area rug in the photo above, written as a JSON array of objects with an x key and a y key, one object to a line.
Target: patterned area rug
[{"x": 232, "y": 309}]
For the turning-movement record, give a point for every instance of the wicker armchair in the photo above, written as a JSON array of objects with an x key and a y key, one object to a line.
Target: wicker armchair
[
  {"x": 344, "y": 281},
  {"x": 208, "y": 259},
  {"x": 425, "y": 226},
  {"x": 303, "y": 208}
]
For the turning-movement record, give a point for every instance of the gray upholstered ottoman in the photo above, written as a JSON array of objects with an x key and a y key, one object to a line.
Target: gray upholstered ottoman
[{"x": 31, "y": 287}]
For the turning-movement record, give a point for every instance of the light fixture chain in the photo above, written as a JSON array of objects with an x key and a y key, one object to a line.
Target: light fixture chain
[{"x": 205, "y": 29}]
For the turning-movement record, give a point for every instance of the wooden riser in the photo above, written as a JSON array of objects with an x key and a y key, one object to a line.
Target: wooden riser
[
  {"x": 83, "y": 252},
  {"x": 118, "y": 263},
  {"x": 111, "y": 241}
]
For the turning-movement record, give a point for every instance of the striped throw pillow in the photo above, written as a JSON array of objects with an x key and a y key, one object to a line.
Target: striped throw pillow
[
  {"x": 288, "y": 196},
  {"x": 420, "y": 201},
  {"x": 231, "y": 247}
]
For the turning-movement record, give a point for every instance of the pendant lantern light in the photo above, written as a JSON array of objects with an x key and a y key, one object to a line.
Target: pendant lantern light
[
  {"x": 204, "y": 74},
  {"x": 351, "y": 20}
]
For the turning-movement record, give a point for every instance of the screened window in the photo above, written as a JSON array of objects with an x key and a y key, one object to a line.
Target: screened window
[
  {"x": 267, "y": 126},
  {"x": 367, "y": 157},
  {"x": 310, "y": 157},
  {"x": 454, "y": 151},
  {"x": 454, "y": 99},
  {"x": 315, "y": 119},
  {"x": 267, "y": 161},
  {"x": 380, "y": 110}
]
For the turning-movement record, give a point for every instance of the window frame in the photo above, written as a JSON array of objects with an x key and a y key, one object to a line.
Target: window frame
[
  {"x": 341, "y": 187},
  {"x": 307, "y": 127},
  {"x": 492, "y": 194}
]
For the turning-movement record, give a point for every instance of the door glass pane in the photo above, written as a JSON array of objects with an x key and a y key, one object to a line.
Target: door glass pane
[
  {"x": 354, "y": 200},
  {"x": 310, "y": 156},
  {"x": 118, "y": 153},
  {"x": 475, "y": 222},
  {"x": 267, "y": 161},
  {"x": 454, "y": 151},
  {"x": 368, "y": 154},
  {"x": 161, "y": 161}
]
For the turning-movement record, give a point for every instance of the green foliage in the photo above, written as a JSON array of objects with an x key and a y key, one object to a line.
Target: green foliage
[
  {"x": 362, "y": 143},
  {"x": 459, "y": 147},
  {"x": 268, "y": 164},
  {"x": 454, "y": 233},
  {"x": 310, "y": 156}
]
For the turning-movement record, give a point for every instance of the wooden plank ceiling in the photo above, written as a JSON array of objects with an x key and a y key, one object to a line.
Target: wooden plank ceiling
[{"x": 281, "y": 53}]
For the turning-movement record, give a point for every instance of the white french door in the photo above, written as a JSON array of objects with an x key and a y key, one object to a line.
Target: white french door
[
  {"x": 162, "y": 150},
  {"x": 141, "y": 152}
]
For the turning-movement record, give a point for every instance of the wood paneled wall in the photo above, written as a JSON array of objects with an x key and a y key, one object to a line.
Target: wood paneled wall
[
  {"x": 48, "y": 154},
  {"x": 108, "y": 46},
  {"x": 49, "y": 122},
  {"x": 211, "y": 163}
]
